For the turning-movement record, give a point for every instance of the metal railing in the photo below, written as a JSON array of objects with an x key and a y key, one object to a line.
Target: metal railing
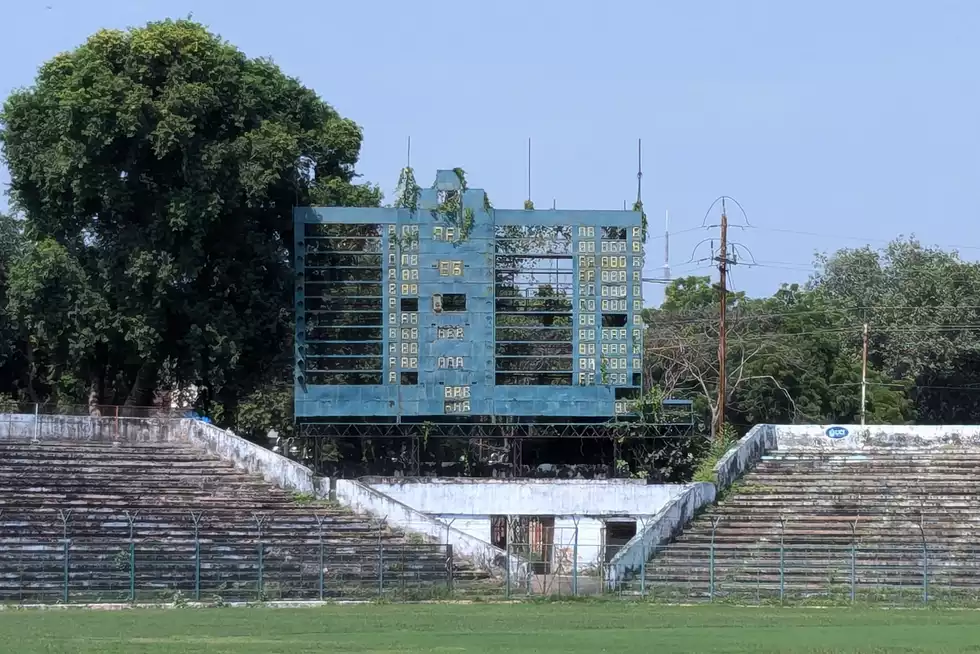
[
  {"x": 879, "y": 572},
  {"x": 60, "y": 556},
  {"x": 101, "y": 410}
]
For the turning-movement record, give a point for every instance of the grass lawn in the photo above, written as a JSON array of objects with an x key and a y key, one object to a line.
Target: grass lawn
[{"x": 566, "y": 628}]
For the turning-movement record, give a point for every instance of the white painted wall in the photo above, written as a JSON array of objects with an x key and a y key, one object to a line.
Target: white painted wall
[
  {"x": 856, "y": 437},
  {"x": 580, "y": 507},
  {"x": 558, "y": 497}
]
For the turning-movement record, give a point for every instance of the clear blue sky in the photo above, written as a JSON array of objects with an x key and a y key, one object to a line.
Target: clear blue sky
[{"x": 854, "y": 120}]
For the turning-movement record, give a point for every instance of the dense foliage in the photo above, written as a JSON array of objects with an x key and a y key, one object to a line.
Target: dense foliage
[
  {"x": 156, "y": 171},
  {"x": 796, "y": 356}
]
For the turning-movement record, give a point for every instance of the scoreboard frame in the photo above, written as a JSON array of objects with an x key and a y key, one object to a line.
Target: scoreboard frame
[{"x": 455, "y": 312}]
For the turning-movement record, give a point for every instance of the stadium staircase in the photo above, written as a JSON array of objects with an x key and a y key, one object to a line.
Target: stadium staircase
[
  {"x": 159, "y": 522},
  {"x": 829, "y": 524}
]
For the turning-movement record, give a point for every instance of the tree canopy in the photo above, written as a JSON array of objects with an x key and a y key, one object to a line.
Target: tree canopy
[
  {"x": 796, "y": 356},
  {"x": 156, "y": 170},
  {"x": 153, "y": 176}
]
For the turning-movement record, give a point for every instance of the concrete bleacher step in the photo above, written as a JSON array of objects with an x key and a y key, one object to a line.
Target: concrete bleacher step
[
  {"x": 797, "y": 510},
  {"x": 100, "y": 487}
]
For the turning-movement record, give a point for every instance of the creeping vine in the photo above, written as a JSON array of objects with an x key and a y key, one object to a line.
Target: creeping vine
[
  {"x": 451, "y": 208},
  {"x": 408, "y": 190},
  {"x": 638, "y": 206}
]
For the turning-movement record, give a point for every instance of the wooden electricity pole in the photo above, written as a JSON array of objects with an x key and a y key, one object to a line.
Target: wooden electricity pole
[
  {"x": 864, "y": 372},
  {"x": 722, "y": 326}
]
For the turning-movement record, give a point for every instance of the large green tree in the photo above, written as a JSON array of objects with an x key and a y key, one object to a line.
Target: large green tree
[
  {"x": 791, "y": 357},
  {"x": 157, "y": 169},
  {"x": 12, "y": 363},
  {"x": 922, "y": 307}
]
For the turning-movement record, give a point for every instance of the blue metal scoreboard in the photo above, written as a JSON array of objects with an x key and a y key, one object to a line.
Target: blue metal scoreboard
[{"x": 450, "y": 308}]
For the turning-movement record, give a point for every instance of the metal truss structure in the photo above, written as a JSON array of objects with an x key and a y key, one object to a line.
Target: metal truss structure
[{"x": 620, "y": 429}]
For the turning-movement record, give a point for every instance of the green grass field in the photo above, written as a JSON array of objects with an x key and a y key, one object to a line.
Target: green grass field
[{"x": 566, "y": 628}]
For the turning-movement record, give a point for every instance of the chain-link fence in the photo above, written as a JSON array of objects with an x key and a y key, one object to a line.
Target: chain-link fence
[
  {"x": 60, "y": 556},
  {"x": 896, "y": 573},
  {"x": 98, "y": 411}
]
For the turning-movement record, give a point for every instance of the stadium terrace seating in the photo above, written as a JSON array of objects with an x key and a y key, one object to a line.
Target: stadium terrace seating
[
  {"x": 126, "y": 516},
  {"x": 886, "y": 521}
]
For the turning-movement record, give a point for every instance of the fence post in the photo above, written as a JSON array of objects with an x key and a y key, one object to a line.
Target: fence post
[
  {"x": 507, "y": 570},
  {"x": 643, "y": 576},
  {"x": 450, "y": 562},
  {"x": 782, "y": 559},
  {"x": 853, "y": 559},
  {"x": 381, "y": 558},
  {"x": 575, "y": 561},
  {"x": 259, "y": 524},
  {"x": 196, "y": 517},
  {"x": 711, "y": 560},
  {"x": 925, "y": 560},
  {"x": 131, "y": 518},
  {"x": 449, "y": 567},
  {"x": 319, "y": 524},
  {"x": 65, "y": 516}
]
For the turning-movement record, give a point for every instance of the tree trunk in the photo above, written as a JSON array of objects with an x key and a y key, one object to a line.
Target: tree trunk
[{"x": 142, "y": 392}]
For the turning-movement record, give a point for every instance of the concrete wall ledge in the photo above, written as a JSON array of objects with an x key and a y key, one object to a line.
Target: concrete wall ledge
[
  {"x": 745, "y": 454},
  {"x": 361, "y": 498},
  {"x": 888, "y": 438},
  {"x": 246, "y": 455},
  {"x": 243, "y": 454},
  {"x": 660, "y": 530}
]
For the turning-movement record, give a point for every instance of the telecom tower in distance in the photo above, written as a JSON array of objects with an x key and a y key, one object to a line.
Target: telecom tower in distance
[{"x": 449, "y": 318}]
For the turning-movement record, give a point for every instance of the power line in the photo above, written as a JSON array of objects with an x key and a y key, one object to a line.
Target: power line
[{"x": 797, "y": 232}]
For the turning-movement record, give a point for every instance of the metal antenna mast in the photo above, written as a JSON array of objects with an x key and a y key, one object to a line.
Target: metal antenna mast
[{"x": 528, "y": 204}]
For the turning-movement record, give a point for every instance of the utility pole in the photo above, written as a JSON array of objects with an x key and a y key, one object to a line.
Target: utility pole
[
  {"x": 864, "y": 372},
  {"x": 722, "y": 326}
]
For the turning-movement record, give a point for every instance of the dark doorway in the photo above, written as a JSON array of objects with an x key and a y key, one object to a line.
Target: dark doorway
[{"x": 618, "y": 533}]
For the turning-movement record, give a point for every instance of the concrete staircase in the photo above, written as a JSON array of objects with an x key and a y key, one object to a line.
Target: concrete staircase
[
  {"x": 869, "y": 524},
  {"x": 164, "y": 522}
]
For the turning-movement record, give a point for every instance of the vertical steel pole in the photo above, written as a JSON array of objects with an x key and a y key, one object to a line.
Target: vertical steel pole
[
  {"x": 575, "y": 562},
  {"x": 507, "y": 570},
  {"x": 782, "y": 559},
  {"x": 853, "y": 561},
  {"x": 132, "y": 571},
  {"x": 260, "y": 523},
  {"x": 711, "y": 560},
  {"x": 196, "y": 518},
  {"x": 66, "y": 555},
  {"x": 319, "y": 524},
  {"x": 925, "y": 559},
  {"x": 65, "y": 590},
  {"x": 131, "y": 519}
]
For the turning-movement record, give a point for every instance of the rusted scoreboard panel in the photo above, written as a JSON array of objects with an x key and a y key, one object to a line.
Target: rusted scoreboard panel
[{"x": 454, "y": 309}]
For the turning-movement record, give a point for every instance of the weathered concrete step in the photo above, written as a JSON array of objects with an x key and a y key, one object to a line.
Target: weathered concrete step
[
  {"x": 842, "y": 513},
  {"x": 101, "y": 463},
  {"x": 959, "y": 460},
  {"x": 910, "y": 588},
  {"x": 133, "y": 460},
  {"x": 176, "y": 485},
  {"x": 94, "y": 446},
  {"x": 901, "y": 480},
  {"x": 822, "y": 536},
  {"x": 164, "y": 515},
  {"x": 204, "y": 492},
  {"x": 848, "y": 507},
  {"x": 84, "y": 456},
  {"x": 814, "y": 534},
  {"x": 168, "y": 504},
  {"x": 287, "y": 536}
]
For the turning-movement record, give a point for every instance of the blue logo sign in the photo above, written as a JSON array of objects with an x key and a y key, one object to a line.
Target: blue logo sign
[{"x": 837, "y": 432}]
